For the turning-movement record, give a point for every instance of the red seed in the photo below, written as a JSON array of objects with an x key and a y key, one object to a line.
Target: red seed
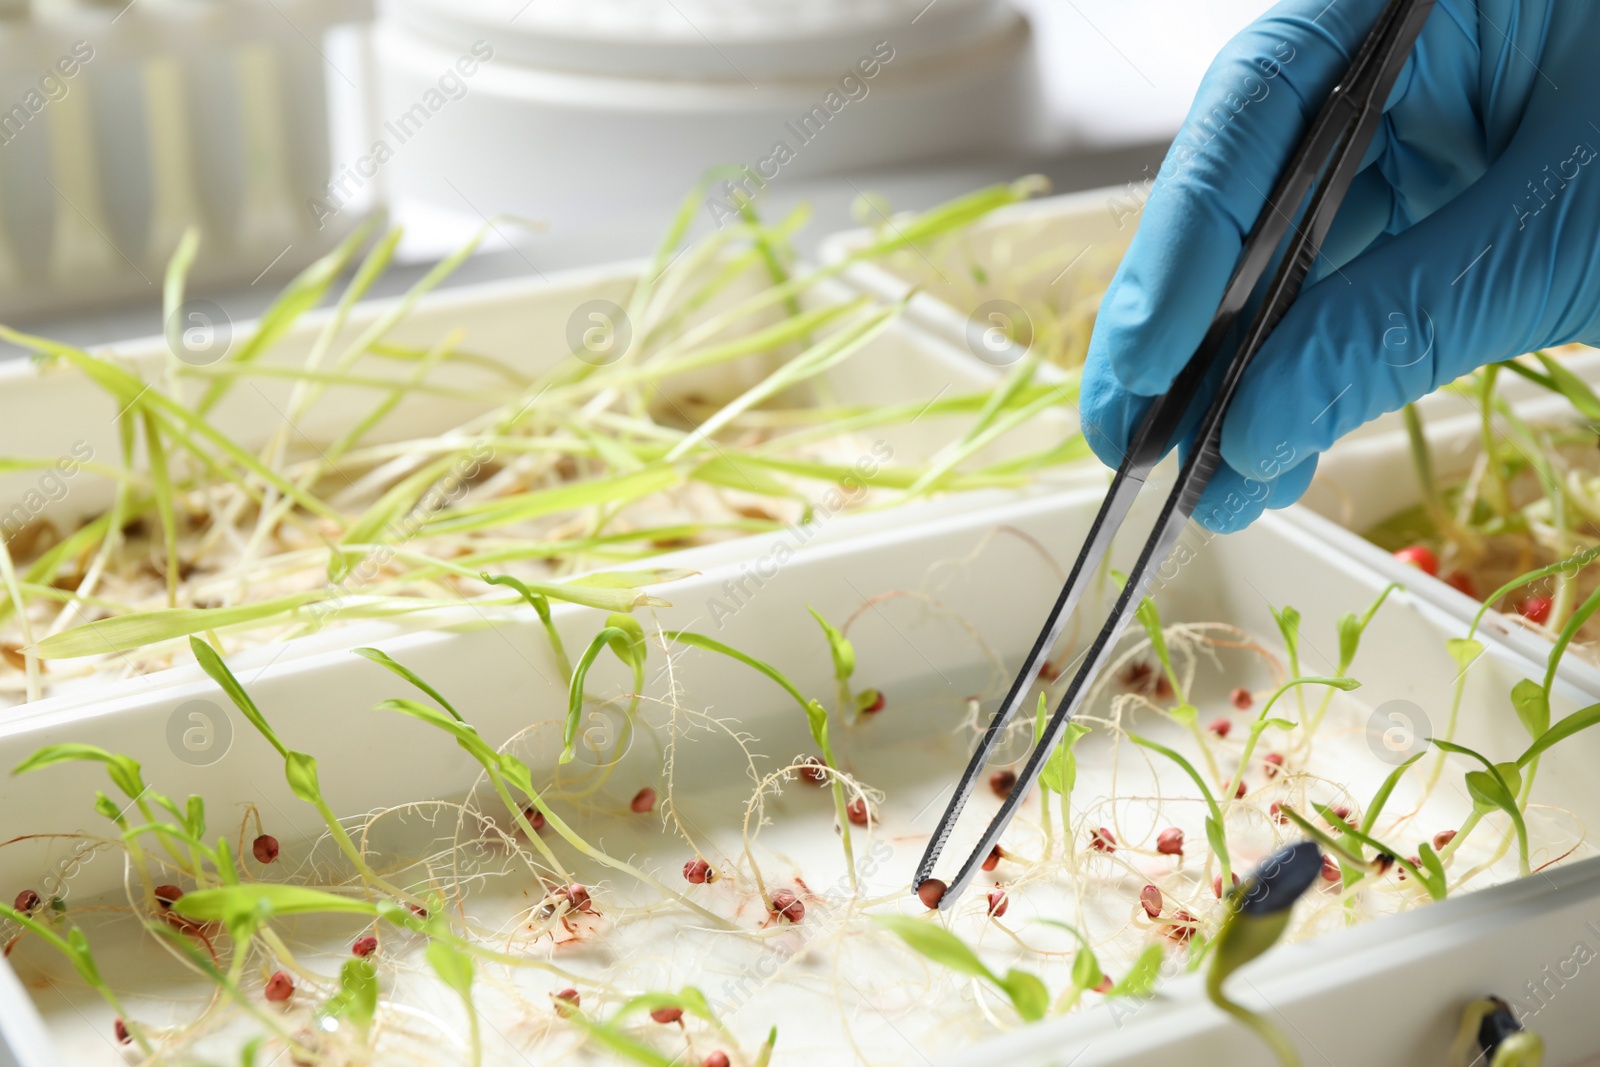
[
  {"x": 998, "y": 902},
  {"x": 1170, "y": 842},
  {"x": 1420, "y": 557},
  {"x": 1150, "y": 901},
  {"x": 1440, "y": 840},
  {"x": 698, "y": 872},
  {"x": 1273, "y": 762},
  {"x": 566, "y": 1001},
  {"x": 1462, "y": 582},
  {"x": 265, "y": 848},
  {"x": 364, "y": 946},
  {"x": 168, "y": 895},
  {"x": 878, "y": 701},
  {"x": 1416, "y": 861},
  {"x": 1003, "y": 782},
  {"x": 1220, "y": 727},
  {"x": 993, "y": 859},
  {"x": 1104, "y": 985},
  {"x": 1276, "y": 811},
  {"x": 1241, "y": 698},
  {"x": 667, "y": 1015},
  {"x": 716, "y": 1059},
  {"x": 1381, "y": 864},
  {"x": 1048, "y": 672},
  {"x": 1101, "y": 840},
  {"x": 1163, "y": 687},
  {"x": 576, "y": 896},
  {"x": 814, "y": 771},
  {"x": 1535, "y": 608},
  {"x": 1239, "y": 791},
  {"x": 1138, "y": 677},
  {"x": 280, "y": 987},
  {"x": 1341, "y": 814},
  {"x": 1216, "y": 884},
  {"x": 121, "y": 1030},
  {"x": 931, "y": 892},
  {"x": 643, "y": 801},
  {"x": 785, "y": 903},
  {"x": 419, "y": 911},
  {"x": 26, "y": 901},
  {"x": 1183, "y": 927},
  {"x": 534, "y": 816},
  {"x": 856, "y": 812},
  {"x": 1330, "y": 869}
]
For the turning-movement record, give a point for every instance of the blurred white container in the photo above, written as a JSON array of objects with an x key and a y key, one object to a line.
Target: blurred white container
[
  {"x": 560, "y": 106},
  {"x": 121, "y": 125}
]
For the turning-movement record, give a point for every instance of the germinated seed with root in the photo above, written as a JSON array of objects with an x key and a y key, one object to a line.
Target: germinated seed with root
[
  {"x": 931, "y": 892},
  {"x": 813, "y": 771},
  {"x": 1330, "y": 869},
  {"x": 1150, "y": 900},
  {"x": 566, "y": 1001},
  {"x": 877, "y": 704},
  {"x": 1440, "y": 839},
  {"x": 27, "y": 901},
  {"x": 1102, "y": 840},
  {"x": 1216, "y": 884},
  {"x": 643, "y": 801},
  {"x": 1241, "y": 698},
  {"x": 264, "y": 848},
  {"x": 698, "y": 872},
  {"x": 364, "y": 946},
  {"x": 666, "y": 1016},
  {"x": 1002, "y": 782},
  {"x": 856, "y": 811},
  {"x": 168, "y": 895},
  {"x": 998, "y": 903},
  {"x": 121, "y": 1030},
  {"x": 1169, "y": 842},
  {"x": 787, "y": 905},
  {"x": 1220, "y": 727},
  {"x": 534, "y": 816},
  {"x": 992, "y": 860},
  {"x": 280, "y": 987},
  {"x": 1273, "y": 764}
]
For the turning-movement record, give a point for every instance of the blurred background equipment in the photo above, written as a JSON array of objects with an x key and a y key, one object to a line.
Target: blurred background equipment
[
  {"x": 274, "y": 126},
  {"x": 123, "y": 124}
]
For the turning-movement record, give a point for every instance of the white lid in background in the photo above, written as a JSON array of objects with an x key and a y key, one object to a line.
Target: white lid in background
[{"x": 715, "y": 40}]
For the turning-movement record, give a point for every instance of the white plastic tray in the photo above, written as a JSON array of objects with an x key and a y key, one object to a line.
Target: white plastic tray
[{"x": 501, "y": 676}]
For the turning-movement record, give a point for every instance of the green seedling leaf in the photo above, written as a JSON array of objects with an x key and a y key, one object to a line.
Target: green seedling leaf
[
  {"x": 300, "y": 768},
  {"x": 541, "y": 605},
  {"x": 1533, "y": 707},
  {"x": 453, "y": 966},
  {"x": 136, "y": 629},
  {"x": 383, "y": 659},
  {"x": 1288, "y": 621},
  {"x": 844, "y": 653},
  {"x": 1464, "y": 650},
  {"x": 1086, "y": 972},
  {"x": 934, "y": 942},
  {"x": 1185, "y": 714},
  {"x": 1141, "y": 979},
  {"x": 625, "y": 637},
  {"x": 122, "y": 770},
  {"x": 264, "y": 899},
  {"x": 1351, "y": 627},
  {"x": 357, "y": 998},
  {"x": 211, "y": 662},
  {"x": 522, "y": 507},
  {"x": 1565, "y": 728},
  {"x": 1381, "y": 797},
  {"x": 466, "y": 736},
  {"x": 1060, "y": 771},
  {"x": 1574, "y": 388},
  {"x": 1028, "y": 994}
]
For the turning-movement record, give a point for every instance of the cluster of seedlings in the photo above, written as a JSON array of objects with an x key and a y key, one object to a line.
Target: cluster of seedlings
[
  {"x": 1521, "y": 528},
  {"x": 715, "y": 419},
  {"x": 1144, "y": 903}
]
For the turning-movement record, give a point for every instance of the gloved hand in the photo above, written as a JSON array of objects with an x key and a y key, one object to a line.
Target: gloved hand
[{"x": 1471, "y": 235}]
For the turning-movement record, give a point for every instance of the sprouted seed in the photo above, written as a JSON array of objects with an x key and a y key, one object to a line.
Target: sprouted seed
[
  {"x": 643, "y": 801},
  {"x": 264, "y": 848},
  {"x": 998, "y": 903}
]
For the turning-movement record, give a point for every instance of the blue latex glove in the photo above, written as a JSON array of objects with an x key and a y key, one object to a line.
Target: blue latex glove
[{"x": 1471, "y": 235}]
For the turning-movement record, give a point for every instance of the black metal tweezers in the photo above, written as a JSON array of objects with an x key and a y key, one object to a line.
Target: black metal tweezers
[{"x": 1322, "y": 168}]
